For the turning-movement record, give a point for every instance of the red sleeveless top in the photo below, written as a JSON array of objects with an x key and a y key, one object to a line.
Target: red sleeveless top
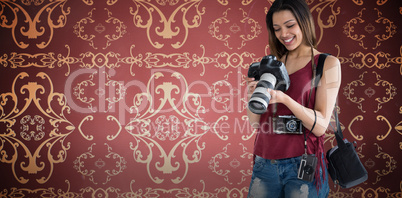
[
  {"x": 269, "y": 145},
  {"x": 278, "y": 146}
]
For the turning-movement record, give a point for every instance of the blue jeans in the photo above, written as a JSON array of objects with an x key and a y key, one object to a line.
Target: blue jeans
[{"x": 278, "y": 178}]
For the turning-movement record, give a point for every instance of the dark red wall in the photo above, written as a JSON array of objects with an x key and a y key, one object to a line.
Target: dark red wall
[{"x": 119, "y": 98}]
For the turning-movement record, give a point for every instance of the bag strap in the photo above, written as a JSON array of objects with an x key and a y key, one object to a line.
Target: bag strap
[
  {"x": 338, "y": 132},
  {"x": 319, "y": 71}
]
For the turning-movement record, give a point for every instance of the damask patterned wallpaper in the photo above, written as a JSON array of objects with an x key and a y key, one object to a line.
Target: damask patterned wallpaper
[{"x": 146, "y": 98}]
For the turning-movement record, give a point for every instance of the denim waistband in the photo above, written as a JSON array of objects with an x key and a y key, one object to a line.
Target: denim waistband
[{"x": 281, "y": 161}]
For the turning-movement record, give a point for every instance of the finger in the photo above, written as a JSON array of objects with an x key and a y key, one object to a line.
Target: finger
[
  {"x": 271, "y": 92},
  {"x": 250, "y": 80}
]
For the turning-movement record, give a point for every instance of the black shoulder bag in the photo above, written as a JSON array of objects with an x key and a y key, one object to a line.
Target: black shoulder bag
[{"x": 344, "y": 165}]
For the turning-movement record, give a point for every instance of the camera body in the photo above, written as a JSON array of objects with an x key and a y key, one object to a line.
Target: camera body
[
  {"x": 307, "y": 167},
  {"x": 287, "y": 124},
  {"x": 270, "y": 73}
]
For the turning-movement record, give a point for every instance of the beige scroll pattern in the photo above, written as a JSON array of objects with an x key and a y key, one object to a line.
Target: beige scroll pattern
[
  {"x": 389, "y": 29},
  {"x": 118, "y": 168},
  {"x": 112, "y": 60},
  {"x": 389, "y": 91},
  {"x": 120, "y": 29},
  {"x": 186, "y": 140},
  {"x": 51, "y": 148},
  {"x": 219, "y": 33},
  {"x": 167, "y": 29},
  {"x": 33, "y": 27},
  {"x": 215, "y": 164},
  {"x": 117, "y": 192}
]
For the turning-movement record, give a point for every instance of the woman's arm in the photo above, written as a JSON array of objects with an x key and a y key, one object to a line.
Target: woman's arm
[{"x": 325, "y": 99}]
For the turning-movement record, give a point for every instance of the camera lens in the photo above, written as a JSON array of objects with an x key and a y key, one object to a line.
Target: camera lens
[
  {"x": 291, "y": 125},
  {"x": 260, "y": 98},
  {"x": 308, "y": 169}
]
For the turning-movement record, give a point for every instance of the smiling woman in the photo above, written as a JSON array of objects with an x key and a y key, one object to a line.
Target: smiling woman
[
  {"x": 287, "y": 29},
  {"x": 281, "y": 162}
]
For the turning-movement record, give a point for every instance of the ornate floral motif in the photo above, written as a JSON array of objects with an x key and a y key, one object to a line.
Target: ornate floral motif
[
  {"x": 120, "y": 29},
  {"x": 235, "y": 60},
  {"x": 349, "y": 28},
  {"x": 167, "y": 128},
  {"x": 390, "y": 29},
  {"x": 90, "y": 60},
  {"x": 398, "y": 127},
  {"x": 168, "y": 29},
  {"x": 112, "y": 60},
  {"x": 83, "y": 161},
  {"x": 255, "y": 29},
  {"x": 390, "y": 91},
  {"x": 223, "y": 2},
  {"x": 52, "y": 122},
  {"x": 224, "y": 93},
  {"x": 369, "y": 28},
  {"x": 358, "y": 118},
  {"x": 40, "y": 60},
  {"x": 116, "y": 192},
  {"x": 91, "y": 118},
  {"x": 175, "y": 60},
  {"x": 382, "y": 137},
  {"x": 30, "y": 27},
  {"x": 368, "y": 192},
  {"x": 140, "y": 127},
  {"x": 88, "y": 2},
  {"x": 111, "y": 2},
  {"x": 369, "y": 163},
  {"x": 118, "y": 92},
  {"x": 132, "y": 60},
  {"x": 381, "y": 2},
  {"x": 321, "y": 9},
  {"x": 250, "y": 129},
  {"x": 215, "y": 162},
  {"x": 249, "y": 156},
  {"x": 380, "y": 60},
  {"x": 214, "y": 29},
  {"x": 369, "y": 92},
  {"x": 27, "y": 132},
  {"x": 246, "y": 2},
  {"x": 349, "y": 91},
  {"x": 358, "y": 2},
  {"x": 390, "y": 165}
]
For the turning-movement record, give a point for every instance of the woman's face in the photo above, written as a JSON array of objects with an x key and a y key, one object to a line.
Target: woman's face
[{"x": 287, "y": 30}]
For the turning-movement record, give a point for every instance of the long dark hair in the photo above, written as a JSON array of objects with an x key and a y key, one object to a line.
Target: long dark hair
[{"x": 302, "y": 13}]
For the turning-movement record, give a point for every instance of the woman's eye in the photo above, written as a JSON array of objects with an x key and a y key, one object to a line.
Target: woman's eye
[
  {"x": 276, "y": 30},
  {"x": 290, "y": 26}
]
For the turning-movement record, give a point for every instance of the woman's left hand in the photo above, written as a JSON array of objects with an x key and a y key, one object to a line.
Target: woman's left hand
[{"x": 277, "y": 96}]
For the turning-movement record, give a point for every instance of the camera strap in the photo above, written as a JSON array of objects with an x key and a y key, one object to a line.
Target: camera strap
[
  {"x": 305, "y": 138},
  {"x": 317, "y": 73}
]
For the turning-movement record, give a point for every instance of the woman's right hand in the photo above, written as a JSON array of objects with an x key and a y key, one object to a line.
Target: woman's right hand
[{"x": 251, "y": 84}]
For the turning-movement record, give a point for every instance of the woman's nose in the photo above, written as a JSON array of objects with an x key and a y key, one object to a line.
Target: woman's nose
[{"x": 284, "y": 33}]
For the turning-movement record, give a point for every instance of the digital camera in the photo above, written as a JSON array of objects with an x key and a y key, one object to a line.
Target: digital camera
[
  {"x": 270, "y": 73},
  {"x": 287, "y": 124},
  {"x": 307, "y": 167}
]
